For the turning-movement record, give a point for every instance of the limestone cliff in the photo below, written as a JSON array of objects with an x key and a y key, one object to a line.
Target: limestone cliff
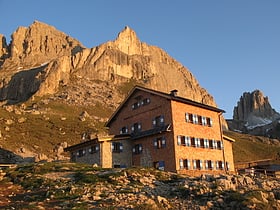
[
  {"x": 38, "y": 44},
  {"x": 42, "y": 60},
  {"x": 254, "y": 113}
]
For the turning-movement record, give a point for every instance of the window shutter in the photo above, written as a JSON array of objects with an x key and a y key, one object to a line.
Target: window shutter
[
  {"x": 120, "y": 131},
  {"x": 162, "y": 119},
  {"x": 198, "y": 142},
  {"x": 187, "y": 117},
  {"x": 140, "y": 147},
  {"x": 154, "y": 122},
  {"x": 222, "y": 145},
  {"x": 179, "y": 140},
  {"x": 132, "y": 128},
  {"x": 212, "y": 164},
  {"x": 223, "y": 165},
  {"x": 188, "y": 140},
  {"x": 188, "y": 163},
  {"x": 217, "y": 164},
  {"x": 133, "y": 150},
  {"x": 97, "y": 147},
  {"x": 181, "y": 163},
  {"x": 163, "y": 142},
  {"x": 227, "y": 164},
  {"x": 206, "y": 164},
  {"x": 201, "y": 164},
  {"x": 113, "y": 146},
  {"x": 214, "y": 144},
  {"x": 194, "y": 164},
  {"x": 121, "y": 147},
  {"x": 139, "y": 126},
  {"x": 211, "y": 122},
  {"x": 155, "y": 143},
  {"x": 89, "y": 150}
]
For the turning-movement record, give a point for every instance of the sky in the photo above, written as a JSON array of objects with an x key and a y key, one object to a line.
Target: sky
[{"x": 230, "y": 46}]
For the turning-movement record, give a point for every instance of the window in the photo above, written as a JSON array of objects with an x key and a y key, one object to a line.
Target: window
[
  {"x": 211, "y": 145},
  {"x": 159, "y": 143},
  {"x": 204, "y": 121},
  {"x": 185, "y": 164},
  {"x": 199, "y": 120},
  {"x": 209, "y": 122},
  {"x": 195, "y": 119},
  {"x": 197, "y": 142},
  {"x": 140, "y": 103},
  {"x": 214, "y": 144},
  {"x": 209, "y": 164},
  {"x": 227, "y": 166},
  {"x": 206, "y": 143},
  {"x": 146, "y": 101},
  {"x": 197, "y": 164},
  {"x": 193, "y": 142},
  {"x": 136, "y": 105},
  {"x": 124, "y": 130},
  {"x": 117, "y": 147},
  {"x": 136, "y": 127},
  {"x": 158, "y": 121},
  {"x": 219, "y": 165},
  {"x": 189, "y": 117},
  {"x": 137, "y": 149},
  {"x": 184, "y": 140},
  {"x": 93, "y": 149},
  {"x": 81, "y": 152},
  {"x": 202, "y": 143},
  {"x": 159, "y": 165},
  {"x": 219, "y": 145}
]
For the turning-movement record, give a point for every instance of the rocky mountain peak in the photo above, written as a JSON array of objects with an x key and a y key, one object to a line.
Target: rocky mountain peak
[
  {"x": 37, "y": 44},
  {"x": 254, "y": 103},
  {"x": 128, "y": 42},
  {"x": 253, "y": 110}
]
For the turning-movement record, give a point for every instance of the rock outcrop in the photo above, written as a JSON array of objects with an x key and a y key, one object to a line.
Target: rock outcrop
[
  {"x": 38, "y": 44},
  {"x": 42, "y": 61},
  {"x": 253, "y": 111}
]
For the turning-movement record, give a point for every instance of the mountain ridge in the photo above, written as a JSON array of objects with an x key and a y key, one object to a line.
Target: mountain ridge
[{"x": 116, "y": 61}]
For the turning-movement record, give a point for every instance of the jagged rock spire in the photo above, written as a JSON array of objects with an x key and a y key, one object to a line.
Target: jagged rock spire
[
  {"x": 253, "y": 110},
  {"x": 128, "y": 42}
]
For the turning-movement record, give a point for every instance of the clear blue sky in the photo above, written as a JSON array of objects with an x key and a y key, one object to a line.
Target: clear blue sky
[{"x": 230, "y": 46}]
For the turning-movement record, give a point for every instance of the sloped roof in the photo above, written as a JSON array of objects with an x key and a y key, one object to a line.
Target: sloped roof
[
  {"x": 161, "y": 94},
  {"x": 225, "y": 137},
  {"x": 96, "y": 141}
]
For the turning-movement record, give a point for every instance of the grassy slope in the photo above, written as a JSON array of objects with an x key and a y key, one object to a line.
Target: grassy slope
[
  {"x": 247, "y": 147},
  {"x": 48, "y": 129}
]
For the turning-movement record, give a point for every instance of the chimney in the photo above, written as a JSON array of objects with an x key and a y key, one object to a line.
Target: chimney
[{"x": 173, "y": 93}]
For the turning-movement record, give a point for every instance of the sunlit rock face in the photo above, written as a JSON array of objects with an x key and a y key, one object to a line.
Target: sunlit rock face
[
  {"x": 254, "y": 112},
  {"x": 41, "y": 59}
]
